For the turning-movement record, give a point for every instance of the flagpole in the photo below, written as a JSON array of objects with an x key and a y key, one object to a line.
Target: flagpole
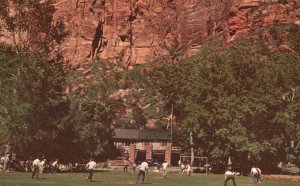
[
  {"x": 171, "y": 144},
  {"x": 172, "y": 124}
]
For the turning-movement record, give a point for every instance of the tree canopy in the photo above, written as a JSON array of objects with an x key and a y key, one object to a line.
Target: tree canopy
[
  {"x": 31, "y": 96},
  {"x": 241, "y": 102}
]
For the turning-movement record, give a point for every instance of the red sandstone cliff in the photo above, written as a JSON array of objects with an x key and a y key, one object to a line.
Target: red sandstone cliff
[
  {"x": 129, "y": 31},
  {"x": 135, "y": 31}
]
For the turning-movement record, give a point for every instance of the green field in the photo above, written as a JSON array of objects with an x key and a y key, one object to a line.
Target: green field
[{"x": 121, "y": 178}]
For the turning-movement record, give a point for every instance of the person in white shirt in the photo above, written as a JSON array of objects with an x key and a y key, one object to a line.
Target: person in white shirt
[
  {"x": 90, "y": 166},
  {"x": 183, "y": 168},
  {"x": 133, "y": 166},
  {"x": 42, "y": 165},
  {"x": 188, "y": 169},
  {"x": 255, "y": 174},
  {"x": 259, "y": 175},
  {"x": 54, "y": 166},
  {"x": 165, "y": 166},
  {"x": 5, "y": 160},
  {"x": 253, "y": 171},
  {"x": 2, "y": 163},
  {"x": 229, "y": 175},
  {"x": 180, "y": 166},
  {"x": 143, "y": 167},
  {"x": 35, "y": 168}
]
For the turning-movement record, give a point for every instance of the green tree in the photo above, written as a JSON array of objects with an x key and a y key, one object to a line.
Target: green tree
[
  {"x": 93, "y": 110},
  {"x": 235, "y": 101},
  {"x": 33, "y": 83},
  {"x": 31, "y": 92}
]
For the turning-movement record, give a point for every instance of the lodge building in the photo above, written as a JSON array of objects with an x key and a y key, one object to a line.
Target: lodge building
[{"x": 147, "y": 144}]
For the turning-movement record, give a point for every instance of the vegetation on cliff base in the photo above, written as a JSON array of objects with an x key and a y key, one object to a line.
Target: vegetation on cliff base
[
  {"x": 31, "y": 99},
  {"x": 37, "y": 116},
  {"x": 241, "y": 102}
]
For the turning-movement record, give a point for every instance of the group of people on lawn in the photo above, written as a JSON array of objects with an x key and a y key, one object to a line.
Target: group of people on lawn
[
  {"x": 185, "y": 168},
  {"x": 39, "y": 165},
  {"x": 143, "y": 167},
  {"x": 255, "y": 174}
]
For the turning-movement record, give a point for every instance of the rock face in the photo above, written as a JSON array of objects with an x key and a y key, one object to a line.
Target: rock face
[
  {"x": 256, "y": 14},
  {"x": 133, "y": 32}
]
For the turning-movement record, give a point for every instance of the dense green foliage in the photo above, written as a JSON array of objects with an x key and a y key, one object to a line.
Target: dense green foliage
[
  {"x": 92, "y": 111},
  {"x": 38, "y": 118},
  {"x": 31, "y": 97},
  {"x": 241, "y": 102}
]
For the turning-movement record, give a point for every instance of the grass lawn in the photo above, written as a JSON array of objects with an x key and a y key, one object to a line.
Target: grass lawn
[{"x": 129, "y": 178}]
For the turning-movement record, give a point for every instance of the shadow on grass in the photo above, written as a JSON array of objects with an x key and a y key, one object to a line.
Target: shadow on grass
[
  {"x": 95, "y": 181},
  {"x": 102, "y": 171},
  {"x": 146, "y": 183},
  {"x": 40, "y": 179}
]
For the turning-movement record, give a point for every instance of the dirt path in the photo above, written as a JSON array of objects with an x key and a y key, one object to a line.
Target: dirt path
[{"x": 283, "y": 177}]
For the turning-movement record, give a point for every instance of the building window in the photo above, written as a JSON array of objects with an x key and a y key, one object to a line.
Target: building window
[
  {"x": 163, "y": 143},
  {"x": 127, "y": 144}
]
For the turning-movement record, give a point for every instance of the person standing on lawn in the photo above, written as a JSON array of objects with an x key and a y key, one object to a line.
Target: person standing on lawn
[
  {"x": 188, "y": 169},
  {"x": 35, "y": 168},
  {"x": 165, "y": 167},
  {"x": 90, "y": 166},
  {"x": 133, "y": 166},
  {"x": 229, "y": 175},
  {"x": 54, "y": 166},
  {"x": 255, "y": 174},
  {"x": 143, "y": 167},
  {"x": 42, "y": 165},
  {"x": 180, "y": 166}
]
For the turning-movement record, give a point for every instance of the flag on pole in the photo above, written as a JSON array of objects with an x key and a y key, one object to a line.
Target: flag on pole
[{"x": 169, "y": 118}]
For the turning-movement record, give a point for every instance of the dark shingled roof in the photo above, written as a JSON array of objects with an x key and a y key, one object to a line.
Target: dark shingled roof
[{"x": 141, "y": 135}]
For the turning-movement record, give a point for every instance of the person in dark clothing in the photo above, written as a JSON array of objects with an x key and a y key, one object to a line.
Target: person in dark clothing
[{"x": 125, "y": 168}]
